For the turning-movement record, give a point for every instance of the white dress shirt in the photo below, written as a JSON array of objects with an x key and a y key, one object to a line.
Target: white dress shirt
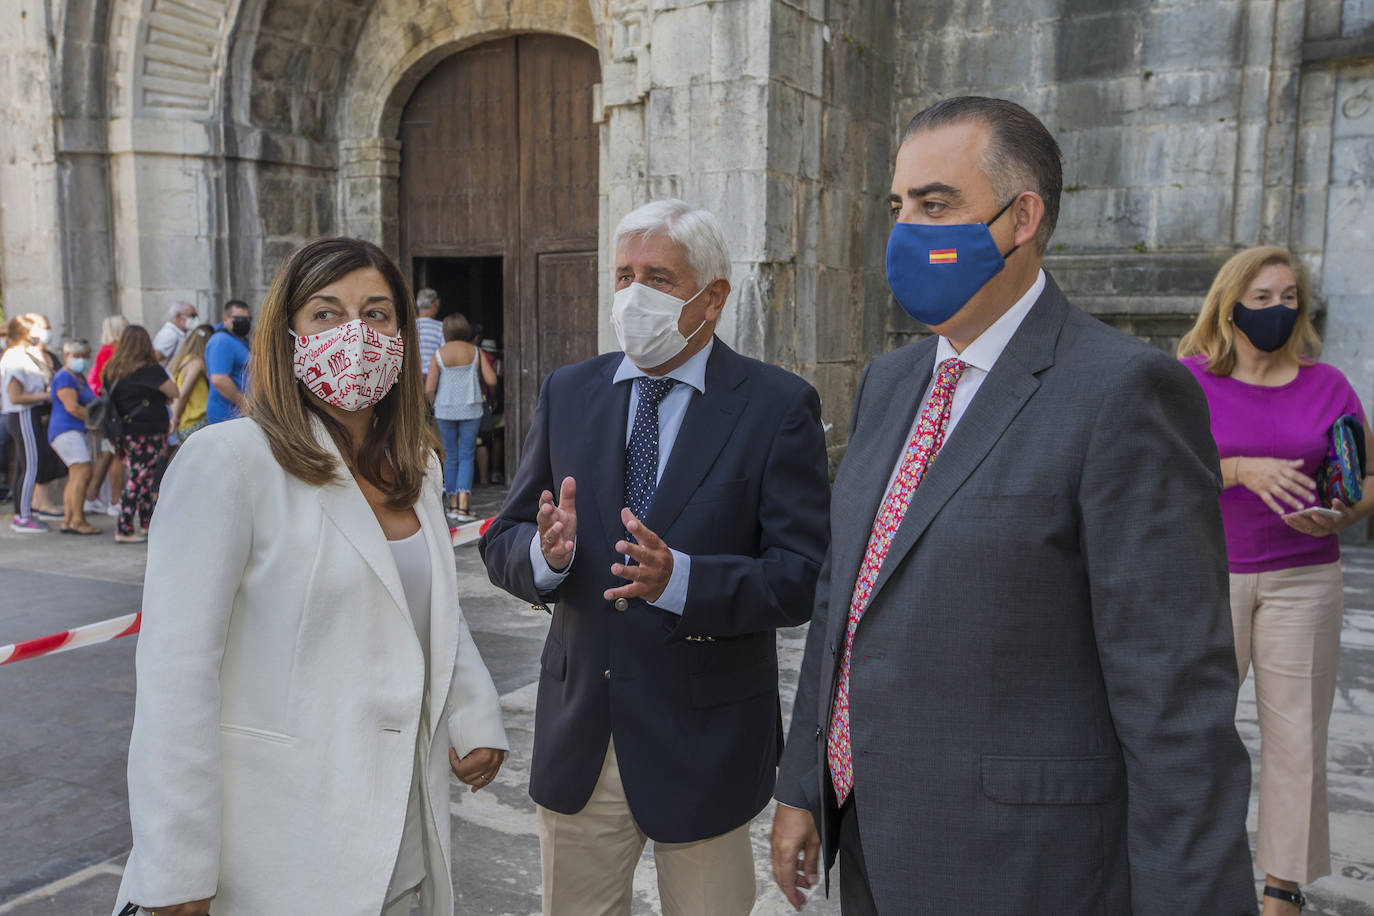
[
  {"x": 980, "y": 356},
  {"x": 691, "y": 378}
]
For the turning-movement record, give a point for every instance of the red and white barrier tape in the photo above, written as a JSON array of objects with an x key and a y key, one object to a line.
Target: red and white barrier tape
[
  {"x": 469, "y": 532},
  {"x": 128, "y": 625},
  {"x": 104, "y": 631}
]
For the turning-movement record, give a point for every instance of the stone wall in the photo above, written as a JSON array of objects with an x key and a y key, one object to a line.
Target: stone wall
[
  {"x": 685, "y": 97},
  {"x": 176, "y": 149},
  {"x": 30, "y": 229},
  {"x": 1190, "y": 129},
  {"x": 852, "y": 297},
  {"x": 1340, "y": 67},
  {"x": 772, "y": 114}
]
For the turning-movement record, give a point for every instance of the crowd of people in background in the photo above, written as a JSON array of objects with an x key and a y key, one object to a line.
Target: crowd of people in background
[
  {"x": 463, "y": 372},
  {"x": 157, "y": 389},
  {"x": 166, "y": 385}
]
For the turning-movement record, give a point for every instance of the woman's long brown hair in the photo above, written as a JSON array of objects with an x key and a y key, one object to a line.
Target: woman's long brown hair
[
  {"x": 132, "y": 352},
  {"x": 395, "y": 455}
]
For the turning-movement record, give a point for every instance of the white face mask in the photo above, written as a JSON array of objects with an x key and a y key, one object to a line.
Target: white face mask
[
  {"x": 41, "y": 335},
  {"x": 645, "y": 322}
]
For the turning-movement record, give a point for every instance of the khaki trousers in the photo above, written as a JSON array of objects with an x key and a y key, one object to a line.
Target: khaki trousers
[
  {"x": 588, "y": 861},
  {"x": 1288, "y": 626}
]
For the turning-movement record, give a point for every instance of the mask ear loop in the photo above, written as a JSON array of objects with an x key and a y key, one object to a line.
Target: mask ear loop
[
  {"x": 989, "y": 223},
  {"x": 689, "y": 302}
]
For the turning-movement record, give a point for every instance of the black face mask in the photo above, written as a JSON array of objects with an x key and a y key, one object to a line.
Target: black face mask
[
  {"x": 1268, "y": 328},
  {"x": 240, "y": 326}
]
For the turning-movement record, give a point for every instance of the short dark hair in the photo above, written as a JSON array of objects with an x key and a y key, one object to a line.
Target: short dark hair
[
  {"x": 456, "y": 327},
  {"x": 1022, "y": 154},
  {"x": 234, "y": 304}
]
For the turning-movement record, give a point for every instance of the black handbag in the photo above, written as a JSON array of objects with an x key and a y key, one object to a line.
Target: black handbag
[{"x": 103, "y": 416}]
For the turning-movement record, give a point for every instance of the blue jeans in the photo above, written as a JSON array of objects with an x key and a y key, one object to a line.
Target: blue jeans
[{"x": 460, "y": 445}]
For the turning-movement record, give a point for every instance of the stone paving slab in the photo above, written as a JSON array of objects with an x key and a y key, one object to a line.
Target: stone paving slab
[{"x": 65, "y": 722}]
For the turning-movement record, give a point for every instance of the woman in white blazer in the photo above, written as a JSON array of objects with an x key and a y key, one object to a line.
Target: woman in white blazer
[{"x": 305, "y": 677}]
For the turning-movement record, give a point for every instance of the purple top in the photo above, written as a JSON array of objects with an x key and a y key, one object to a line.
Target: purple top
[{"x": 1283, "y": 421}]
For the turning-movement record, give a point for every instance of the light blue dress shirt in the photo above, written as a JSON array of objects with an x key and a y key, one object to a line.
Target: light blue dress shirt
[{"x": 691, "y": 378}]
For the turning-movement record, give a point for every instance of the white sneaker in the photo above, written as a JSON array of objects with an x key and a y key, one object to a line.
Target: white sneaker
[
  {"x": 95, "y": 506},
  {"x": 112, "y": 510}
]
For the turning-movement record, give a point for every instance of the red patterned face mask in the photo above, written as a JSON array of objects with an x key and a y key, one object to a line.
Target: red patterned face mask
[{"x": 351, "y": 366}]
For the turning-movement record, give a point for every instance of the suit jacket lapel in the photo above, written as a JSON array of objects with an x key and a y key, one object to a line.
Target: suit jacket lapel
[
  {"x": 1003, "y": 393},
  {"x": 347, "y": 508},
  {"x": 869, "y": 468},
  {"x": 607, "y": 416},
  {"x": 706, "y": 427}
]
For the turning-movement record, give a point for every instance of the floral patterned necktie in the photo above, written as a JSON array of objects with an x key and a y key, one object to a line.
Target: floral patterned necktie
[{"x": 920, "y": 451}]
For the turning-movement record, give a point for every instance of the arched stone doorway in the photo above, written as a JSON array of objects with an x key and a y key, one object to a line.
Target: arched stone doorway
[{"x": 498, "y": 203}]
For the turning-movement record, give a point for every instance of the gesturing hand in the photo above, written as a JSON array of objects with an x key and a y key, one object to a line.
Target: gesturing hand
[
  {"x": 650, "y": 577},
  {"x": 478, "y": 768},
  {"x": 558, "y": 525},
  {"x": 1277, "y": 481},
  {"x": 796, "y": 851}
]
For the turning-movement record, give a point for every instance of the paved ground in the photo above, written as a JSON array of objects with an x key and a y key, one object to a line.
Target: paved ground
[{"x": 65, "y": 723}]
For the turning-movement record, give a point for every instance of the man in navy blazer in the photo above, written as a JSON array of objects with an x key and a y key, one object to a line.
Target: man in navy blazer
[{"x": 690, "y": 523}]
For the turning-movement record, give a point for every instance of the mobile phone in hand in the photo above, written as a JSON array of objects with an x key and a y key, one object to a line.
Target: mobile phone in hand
[{"x": 1318, "y": 511}]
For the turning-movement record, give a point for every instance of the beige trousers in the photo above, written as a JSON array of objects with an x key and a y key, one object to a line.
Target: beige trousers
[
  {"x": 1288, "y": 626},
  {"x": 588, "y": 861}
]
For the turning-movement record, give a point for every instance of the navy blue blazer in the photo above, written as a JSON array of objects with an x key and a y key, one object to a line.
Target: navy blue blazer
[{"x": 692, "y": 700}]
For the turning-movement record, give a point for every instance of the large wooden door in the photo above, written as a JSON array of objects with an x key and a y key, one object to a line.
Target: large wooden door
[{"x": 499, "y": 158}]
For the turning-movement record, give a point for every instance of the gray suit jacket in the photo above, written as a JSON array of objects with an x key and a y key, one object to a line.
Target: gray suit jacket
[{"x": 1043, "y": 687}]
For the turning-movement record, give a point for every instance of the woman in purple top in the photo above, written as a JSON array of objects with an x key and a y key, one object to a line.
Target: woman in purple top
[{"x": 1253, "y": 350}]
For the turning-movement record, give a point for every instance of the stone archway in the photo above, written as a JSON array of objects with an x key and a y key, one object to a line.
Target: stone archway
[
  {"x": 498, "y": 202},
  {"x": 403, "y": 46}
]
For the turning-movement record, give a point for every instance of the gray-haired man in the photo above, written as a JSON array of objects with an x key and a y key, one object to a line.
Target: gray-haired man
[
  {"x": 428, "y": 328},
  {"x": 658, "y": 703},
  {"x": 181, "y": 317}
]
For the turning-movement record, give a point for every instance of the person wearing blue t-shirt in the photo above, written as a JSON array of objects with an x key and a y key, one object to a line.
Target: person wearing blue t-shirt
[
  {"x": 226, "y": 362},
  {"x": 67, "y": 433}
]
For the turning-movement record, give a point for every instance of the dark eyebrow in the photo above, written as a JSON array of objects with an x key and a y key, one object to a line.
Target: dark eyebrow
[
  {"x": 935, "y": 187},
  {"x": 334, "y": 300}
]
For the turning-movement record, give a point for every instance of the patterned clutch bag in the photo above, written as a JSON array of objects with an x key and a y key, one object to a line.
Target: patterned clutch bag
[{"x": 1341, "y": 475}]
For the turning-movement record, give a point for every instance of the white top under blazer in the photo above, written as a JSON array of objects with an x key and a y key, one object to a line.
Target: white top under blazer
[{"x": 283, "y": 693}]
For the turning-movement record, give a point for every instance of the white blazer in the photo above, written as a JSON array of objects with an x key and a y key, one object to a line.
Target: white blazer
[{"x": 280, "y": 685}]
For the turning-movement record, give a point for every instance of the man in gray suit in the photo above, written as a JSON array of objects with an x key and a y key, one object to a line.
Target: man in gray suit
[{"x": 1019, "y": 685}]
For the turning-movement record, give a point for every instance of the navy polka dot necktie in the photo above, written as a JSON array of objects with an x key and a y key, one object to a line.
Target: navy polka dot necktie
[{"x": 641, "y": 455}]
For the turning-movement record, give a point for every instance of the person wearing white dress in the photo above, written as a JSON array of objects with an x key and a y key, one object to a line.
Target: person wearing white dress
[{"x": 306, "y": 680}]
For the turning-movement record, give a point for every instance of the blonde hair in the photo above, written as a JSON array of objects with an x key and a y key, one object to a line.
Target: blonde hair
[
  {"x": 401, "y": 434},
  {"x": 21, "y": 327},
  {"x": 192, "y": 347},
  {"x": 1213, "y": 334},
  {"x": 111, "y": 327}
]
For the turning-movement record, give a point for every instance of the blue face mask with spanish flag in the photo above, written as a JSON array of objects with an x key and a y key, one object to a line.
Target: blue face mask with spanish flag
[{"x": 935, "y": 270}]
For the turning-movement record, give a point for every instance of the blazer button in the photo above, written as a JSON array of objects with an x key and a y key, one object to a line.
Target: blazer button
[
  {"x": 606, "y": 674},
  {"x": 622, "y": 604}
]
